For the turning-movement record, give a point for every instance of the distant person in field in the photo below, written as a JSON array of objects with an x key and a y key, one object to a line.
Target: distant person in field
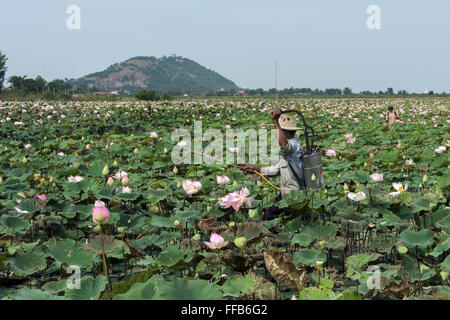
[
  {"x": 392, "y": 115},
  {"x": 290, "y": 167}
]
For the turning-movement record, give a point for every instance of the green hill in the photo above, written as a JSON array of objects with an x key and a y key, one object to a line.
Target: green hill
[{"x": 166, "y": 74}]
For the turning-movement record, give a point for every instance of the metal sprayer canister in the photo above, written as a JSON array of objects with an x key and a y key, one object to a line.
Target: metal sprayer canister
[{"x": 312, "y": 165}]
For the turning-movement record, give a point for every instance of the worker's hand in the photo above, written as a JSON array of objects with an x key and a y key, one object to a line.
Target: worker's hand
[
  {"x": 276, "y": 115},
  {"x": 250, "y": 169}
]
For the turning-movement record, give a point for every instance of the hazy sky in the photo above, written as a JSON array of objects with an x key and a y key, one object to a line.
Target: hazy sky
[{"x": 317, "y": 43}]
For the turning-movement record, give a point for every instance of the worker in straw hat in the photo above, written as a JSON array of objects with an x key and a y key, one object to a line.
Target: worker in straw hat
[{"x": 290, "y": 166}]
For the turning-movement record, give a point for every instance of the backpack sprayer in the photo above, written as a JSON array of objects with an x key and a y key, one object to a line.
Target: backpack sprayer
[{"x": 311, "y": 157}]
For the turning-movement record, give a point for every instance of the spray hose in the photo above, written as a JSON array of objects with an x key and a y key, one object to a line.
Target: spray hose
[
  {"x": 212, "y": 158},
  {"x": 265, "y": 179}
]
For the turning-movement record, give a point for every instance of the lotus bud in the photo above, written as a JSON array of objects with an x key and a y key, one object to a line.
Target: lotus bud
[
  {"x": 178, "y": 184},
  {"x": 105, "y": 170},
  {"x": 136, "y": 150},
  {"x": 425, "y": 178},
  {"x": 252, "y": 213},
  {"x": 165, "y": 150},
  {"x": 100, "y": 213},
  {"x": 365, "y": 164},
  {"x": 125, "y": 181},
  {"x": 110, "y": 182},
  {"x": 115, "y": 164},
  {"x": 51, "y": 179},
  {"x": 345, "y": 187},
  {"x": 24, "y": 160},
  {"x": 240, "y": 242},
  {"x": 176, "y": 223},
  {"x": 175, "y": 170},
  {"x": 88, "y": 146}
]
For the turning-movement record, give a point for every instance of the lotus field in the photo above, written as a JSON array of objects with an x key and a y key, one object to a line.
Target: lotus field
[{"x": 92, "y": 205}]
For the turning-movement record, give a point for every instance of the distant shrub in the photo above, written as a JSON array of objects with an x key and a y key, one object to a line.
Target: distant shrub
[{"x": 147, "y": 95}]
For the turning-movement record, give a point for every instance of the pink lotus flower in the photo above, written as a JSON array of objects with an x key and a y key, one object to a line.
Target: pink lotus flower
[
  {"x": 42, "y": 197},
  {"x": 371, "y": 155},
  {"x": 126, "y": 190},
  {"x": 100, "y": 213},
  {"x": 125, "y": 180},
  {"x": 227, "y": 126},
  {"x": 399, "y": 144},
  {"x": 153, "y": 135},
  {"x": 120, "y": 174},
  {"x": 136, "y": 151},
  {"x": 377, "y": 177},
  {"x": 191, "y": 187},
  {"x": 330, "y": 153},
  {"x": 233, "y": 149},
  {"x": 216, "y": 241},
  {"x": 236, "y": 200},
  {"x": 350, "y": 138},
  {"x": 262, "y": 125},
  {"x": 223, "y": 180},
  {"x": 61, "y": 154}
]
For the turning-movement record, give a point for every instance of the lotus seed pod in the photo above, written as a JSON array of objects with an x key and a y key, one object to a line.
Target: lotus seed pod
[
  {"x": 24, "y": 160},
  {"x": 444, "y": 275},
  {"x": 115, "y": 164},
  {"x": 106, "y": 147},
  {"x": 313, "y": 177},
  {"x": 165, "y": 150},
  {"x": 176, "y": 223},
  {"x": 105, "y": 170},
  {"x": 196, "y": 237},
  {"x": 235, "y": 183},
  {"x": 232, "y": 224},
  {"x": 120, "y": 229}
]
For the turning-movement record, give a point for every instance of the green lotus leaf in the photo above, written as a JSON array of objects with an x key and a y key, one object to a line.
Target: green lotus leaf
[
  {"x": 182, "y": 289},
  {"x": 309, "y": 257},
  {"x": 420, "y": 239},
  {"x": 69, "y": 252},
  {"x": 89, "y": 289}
]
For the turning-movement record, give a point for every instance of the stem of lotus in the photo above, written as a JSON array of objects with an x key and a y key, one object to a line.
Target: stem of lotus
[{"x": 105, "y": 266}]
